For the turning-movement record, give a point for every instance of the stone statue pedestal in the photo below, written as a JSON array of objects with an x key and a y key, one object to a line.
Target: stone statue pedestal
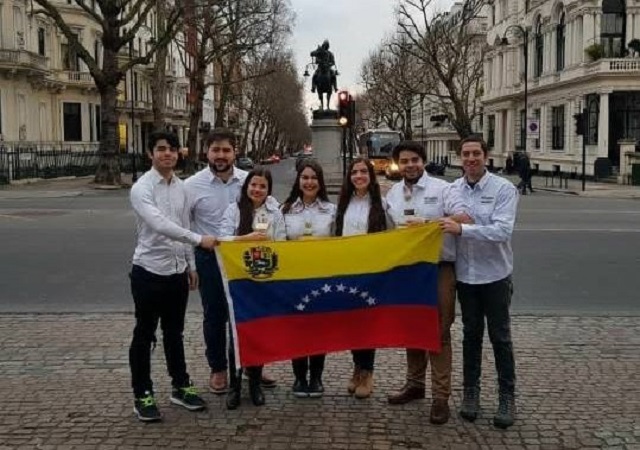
[{"x": 326, "y": 136}]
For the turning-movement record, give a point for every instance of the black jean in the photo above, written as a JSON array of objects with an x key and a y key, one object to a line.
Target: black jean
[
  {"x": 235, "y": 372},
  {"x": 492, "y": 301},
  {"x": 158, "y": 299},
  {"x": 364, "y": 359},
  {"x": 215, "y": 309},
  {"x": 314, "y": 365}
]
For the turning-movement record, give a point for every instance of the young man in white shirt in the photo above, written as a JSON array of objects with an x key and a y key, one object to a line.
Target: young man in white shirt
[
  {"x": 416, "y": 199},
  {"x": 163, "y": 271},
  {"x": 212, "y": 190},
  {"x": 484, "y": 267}
]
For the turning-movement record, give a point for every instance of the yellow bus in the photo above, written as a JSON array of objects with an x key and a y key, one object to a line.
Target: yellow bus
[{"x": 377, "y": 146}]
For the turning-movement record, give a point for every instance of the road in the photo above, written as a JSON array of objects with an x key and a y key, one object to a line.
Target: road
[{"x": 574, "y": 255}]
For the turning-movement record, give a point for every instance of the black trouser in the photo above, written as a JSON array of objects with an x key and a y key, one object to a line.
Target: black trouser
[
  {"x": 314, "y": 365},
  {"x": 492, "y": 301},
  {"x": 235, "y": 373},
  {"x": 164, "y": 299},
  {"x": 364, "y": 359}
]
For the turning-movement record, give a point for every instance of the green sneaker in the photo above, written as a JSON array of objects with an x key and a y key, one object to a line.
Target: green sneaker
[
  {"x": 145, "y": 408},
  {"x": 188, "y": 398}
]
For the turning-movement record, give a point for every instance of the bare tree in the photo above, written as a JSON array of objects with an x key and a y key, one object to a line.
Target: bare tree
[
  {"x": 119, "y": 21},
  {"x": 159, "y": 77},
  {"x": 450, "y": 48}
]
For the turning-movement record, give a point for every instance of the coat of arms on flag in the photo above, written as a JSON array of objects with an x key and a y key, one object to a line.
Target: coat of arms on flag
[{"x": 296, "y": 298}]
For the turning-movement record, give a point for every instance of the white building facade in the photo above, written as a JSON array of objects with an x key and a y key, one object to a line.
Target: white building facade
[
  {"x": 47, "y": 95},
  {"x": 578, "y": 59}
]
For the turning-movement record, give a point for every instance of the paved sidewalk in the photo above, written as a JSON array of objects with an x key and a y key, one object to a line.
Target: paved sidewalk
[
  {"x": 574, "y": 187},
  {"x": 64, "y": 383}
]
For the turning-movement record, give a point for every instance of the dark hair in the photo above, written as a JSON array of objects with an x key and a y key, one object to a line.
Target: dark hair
[
  {"x": 296, "y": 192},
  {"x": 158, "y": 135},
  {"x": 220, "y": 134},
  {"x": 410, "y": 146},
  {"x": 377, "y": 216},
  {"x": 478, "y": 139},
  {"x": 245, "y": 205}
]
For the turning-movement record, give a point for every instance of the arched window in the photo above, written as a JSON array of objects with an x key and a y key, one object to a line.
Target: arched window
[
  {"x": 560, "y": 43},
  {"x": 539, "y": 47},
  {"x": 613, "y": 28}
]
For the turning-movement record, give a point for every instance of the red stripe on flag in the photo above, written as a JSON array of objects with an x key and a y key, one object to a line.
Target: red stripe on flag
[{"x": 280, "y": 338}]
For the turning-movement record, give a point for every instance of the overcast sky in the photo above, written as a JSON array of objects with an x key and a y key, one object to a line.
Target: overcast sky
[{"x": 353, "y": 27}]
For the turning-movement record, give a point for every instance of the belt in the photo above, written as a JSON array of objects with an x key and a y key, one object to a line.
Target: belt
[{"x": 447, "y": 264}]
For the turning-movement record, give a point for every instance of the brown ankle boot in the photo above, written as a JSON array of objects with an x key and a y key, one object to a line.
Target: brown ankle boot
[
  {"x": 365, "y": 388},
  {"x": 354, "y": 381}
]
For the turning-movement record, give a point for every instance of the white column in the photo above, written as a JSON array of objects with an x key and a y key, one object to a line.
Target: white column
[
  {"x": 543, "y": 128},
  {"x": 499, "y": 132},
  {"x": 510, "y": 132},
  {"x": 578, "y": 49},
  {"x": 603, "y": 126},
  {"x": 588, "y": 32},
  {"x": 629, "y": 28},
  {"x": 569, "y": 129}
]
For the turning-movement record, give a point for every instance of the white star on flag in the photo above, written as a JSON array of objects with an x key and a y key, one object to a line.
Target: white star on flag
[
  {"x": 353, "y": 291},
  {"x": 371, "y": 301},
  {"x": 300, "y": 307},
  {"x": 364, "y": 294},
  {"x": 326, "y": 288},
  {"x": 315, "y": 293},
  {"x": 306, "y": 299},
  {"x": 341, "y": 287}
]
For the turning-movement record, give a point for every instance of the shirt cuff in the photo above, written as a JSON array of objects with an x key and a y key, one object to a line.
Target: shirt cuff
[{"x": 196, "y": 239}]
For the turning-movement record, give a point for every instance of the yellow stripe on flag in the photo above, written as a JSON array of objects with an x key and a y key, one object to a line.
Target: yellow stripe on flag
[{"x": 318, "y": 258}]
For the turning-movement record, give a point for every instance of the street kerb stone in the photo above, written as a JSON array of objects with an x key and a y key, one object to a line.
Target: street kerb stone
[{"x": 64, "y": 380}]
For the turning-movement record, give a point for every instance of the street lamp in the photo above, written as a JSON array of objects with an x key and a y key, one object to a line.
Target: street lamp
[
  {"x": 524, "y": 34},
  {"x": 145, "y": 33}
]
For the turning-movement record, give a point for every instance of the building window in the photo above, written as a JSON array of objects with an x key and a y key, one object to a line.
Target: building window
[
  {"x": 41, "y": 41},
  {"x": 492, "y": 131},
  {"x": 613, "y": 28},
  {"x": 539, "y": 47},
  {"x": 523, "y": 129},
  {"x": 560, "y": 43},
  {"x": 0, "y": 112},
  {"x": 557, "y": 127},
  {"x": 72, "y": 118},
  {"x": 70, "y": 59}
]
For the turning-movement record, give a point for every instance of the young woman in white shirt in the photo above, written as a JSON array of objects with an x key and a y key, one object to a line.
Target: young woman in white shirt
[
  {"x": 361, "y": 211},
  {"x": 255, "y": 217},
  {"x": 308, "y": 213}
]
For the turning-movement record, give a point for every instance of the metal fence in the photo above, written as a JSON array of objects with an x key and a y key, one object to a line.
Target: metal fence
[{"x": 22, "y": 160}]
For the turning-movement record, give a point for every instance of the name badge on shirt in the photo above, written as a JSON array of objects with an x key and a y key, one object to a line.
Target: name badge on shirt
[
  {"x": 430, "y": 200},
  {"x": 485, "y": 199}
]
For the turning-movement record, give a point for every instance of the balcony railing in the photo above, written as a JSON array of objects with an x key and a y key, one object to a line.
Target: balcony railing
[
  {"x": 23, "y": 58},
  {"x": 75, "y": 77}
]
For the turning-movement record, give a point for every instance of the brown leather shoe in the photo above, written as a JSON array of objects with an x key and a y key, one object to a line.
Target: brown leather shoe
[
  {"x": 267, "y": 382},
  {"x": 407, "y": 394},
  {"x": 218, "y": 382},
  {"x": 354, "y": 381},
  {"x": 365, "y": 388},
  {"x": 439, "y": 411}
]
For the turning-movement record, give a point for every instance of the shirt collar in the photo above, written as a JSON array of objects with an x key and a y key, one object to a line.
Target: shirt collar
[
  {"x": 422, "y": 181},
  {"x": 299, "y": 205},
  {"x": 235, "y": 175},
  {"x": 482, "y": 182},
  {"x": 157, "y": 177}
]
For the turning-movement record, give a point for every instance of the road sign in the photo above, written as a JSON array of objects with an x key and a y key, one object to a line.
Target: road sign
[{"x": 533, "y": 128}]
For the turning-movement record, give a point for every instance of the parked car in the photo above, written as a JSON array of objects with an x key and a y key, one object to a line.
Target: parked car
[
  {"x": 392, "y": 171},
  {"x": 245, "y": 163},
  {"x": 434, "y": 168},
  {"x": 273, "y": 159}
]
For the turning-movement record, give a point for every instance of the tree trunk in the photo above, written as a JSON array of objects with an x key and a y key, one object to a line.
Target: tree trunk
[
  {"x": 195, "y": 116},
  {"x": 220, "y": 110},
  {"x": 108, "y": 171},
  {"x": 159, "y": 85}
]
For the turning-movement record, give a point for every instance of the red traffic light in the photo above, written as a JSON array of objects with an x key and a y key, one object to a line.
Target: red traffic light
[{"x": 343, "y": 97}]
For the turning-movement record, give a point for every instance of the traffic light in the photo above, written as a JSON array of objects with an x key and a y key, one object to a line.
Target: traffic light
[
  {"x": 344, "y": 101},
  {"x": 579, "y": 119}
]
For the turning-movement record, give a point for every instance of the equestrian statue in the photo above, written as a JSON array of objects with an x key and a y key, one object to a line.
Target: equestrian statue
[{"x": 325, "y": 77}]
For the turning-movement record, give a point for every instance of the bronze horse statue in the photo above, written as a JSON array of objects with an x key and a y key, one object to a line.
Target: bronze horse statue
[{"x": 325, "y": 77}]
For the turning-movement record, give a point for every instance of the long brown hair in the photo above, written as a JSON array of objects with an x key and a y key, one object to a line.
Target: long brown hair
[
  {"x": 296, "y": 192},
  {"x": 377, "y": 216},
  {"x": 245, "y": 205}
]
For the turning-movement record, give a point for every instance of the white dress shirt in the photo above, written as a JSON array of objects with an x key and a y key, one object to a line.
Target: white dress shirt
[
  {"x": 268, "y": 213},
  {"x": 356, "y": 216},
  {"x": 316, "y": 219},
  {"x": 484, "y": 248},
  {"x": 164, "y": 241},
  {"x": 211, "y": 197},
  {"x": 429, "y": 198}
]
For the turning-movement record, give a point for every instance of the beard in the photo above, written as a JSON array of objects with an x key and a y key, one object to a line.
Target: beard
[
  {"x": 220, "y": 167},
  {"x": 414, "y": 177}
]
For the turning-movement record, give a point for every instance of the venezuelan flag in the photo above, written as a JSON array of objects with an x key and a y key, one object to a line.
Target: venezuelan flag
[{"x": 296, "y": 298}]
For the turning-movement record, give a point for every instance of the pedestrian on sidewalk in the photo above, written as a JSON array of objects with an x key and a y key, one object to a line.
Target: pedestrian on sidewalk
[
  {"x": 361, "y": 210},
  {"x": 526, "y": 174},
  {"x": 255, "y": 217},
  {"x": 163, "y": 271},
  {"x": 212, "y": 190},
  {"x": 308, "y": 213},
  {"x": 416, "y": 199},
  {"x": 484, "y": 266}
]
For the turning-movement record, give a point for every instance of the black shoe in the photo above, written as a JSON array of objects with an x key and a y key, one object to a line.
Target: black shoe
[
  {"x": 506, "y": 414},
  {"x": 188, "y": 398},
  {"x": 233, "y": 398},
  {"x": 255, "y": 392},
  {"x": 315, "y": 388},
  {"x": 145, "y": 408},
  {"x": 470, "y": 404},
  {"x": 300, "y": 388}
]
